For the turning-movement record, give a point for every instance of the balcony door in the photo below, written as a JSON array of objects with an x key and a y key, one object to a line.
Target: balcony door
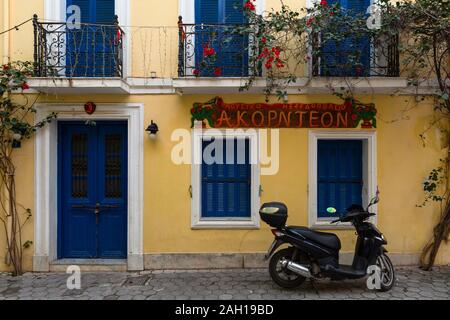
[
  {"x": 92, "y": 48},
  {"x": 335, "y": 59},
  {"x": 215, "y": 21}
]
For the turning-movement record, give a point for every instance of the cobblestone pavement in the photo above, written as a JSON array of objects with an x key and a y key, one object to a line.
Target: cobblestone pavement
[{"x": 412, "y": 283}]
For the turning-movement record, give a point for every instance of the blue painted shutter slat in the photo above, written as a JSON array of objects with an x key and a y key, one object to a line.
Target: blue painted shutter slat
[
  {"x": 104, "y": 12},
  {"x": 339, "y": 175},
  {"x": 86, "y": 7},
  {"x": 234, "y": 55},
  {"x": 335, "y": 62},
  {"x": 231, "y": 49},
  {"x": 104, "y": 58},
  {"x": 207, "y": 11},
  {"x": 226, "y": 187},
  {"x": 233, "y": 12},
  {"x": 91, "y": 49},
  {"x": 78, "y": 40},
  {"x": 361, "y": 44}
]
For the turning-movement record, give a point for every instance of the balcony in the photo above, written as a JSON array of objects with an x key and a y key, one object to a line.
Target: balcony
[
  {"x": 169, "y": 59},
  {"x": 214, "y": 50},
  {"x": 363, "y": 56},
  {"x": 67, "y": 56}
]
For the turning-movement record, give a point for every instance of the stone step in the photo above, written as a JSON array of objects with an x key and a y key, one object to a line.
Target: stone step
[{"x": 90, "y": 265}]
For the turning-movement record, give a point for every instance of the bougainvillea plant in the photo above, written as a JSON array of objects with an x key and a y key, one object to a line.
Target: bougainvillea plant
[{"x": 16, "y": 125}]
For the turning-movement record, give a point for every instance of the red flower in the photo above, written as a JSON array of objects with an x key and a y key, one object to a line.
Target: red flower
[
  {"x": 118, "y": 37},
  {"x": 249, "y": 6},
  {"x": 268, "y": 63},
  {"x": 354, "y": 117},
  {"x": 264, "y": 53},
  {"x": 25, "y": 86},
  {"x": 263, "y": 40},
  {"x": 217, "y": 71},
  {"x": 323, "y": 3},
  {"x": 280, "y": 63},
  {"x": 5, "y": 67},
  {"x": 196, "y": 72},
  {"x": 207, "y": 51},
  {"x": 276, "y": 51},
  {"x": 310, "y": 21}
]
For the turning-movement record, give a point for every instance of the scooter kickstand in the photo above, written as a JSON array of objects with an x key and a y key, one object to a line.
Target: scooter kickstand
[{"x": 313, "y": 285}]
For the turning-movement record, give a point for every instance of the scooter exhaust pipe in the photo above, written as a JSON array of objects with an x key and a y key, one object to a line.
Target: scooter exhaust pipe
[{"x": 297, "y": 268}]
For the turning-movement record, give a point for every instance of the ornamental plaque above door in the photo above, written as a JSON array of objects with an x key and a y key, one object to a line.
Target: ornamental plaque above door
[{"x": 217, "y": 114}]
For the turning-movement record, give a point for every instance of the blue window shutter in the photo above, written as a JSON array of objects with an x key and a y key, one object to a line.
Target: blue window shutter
[
  {"x": 87, "y": 8},
  {"x": 95, "y": 11},
  {"x": 334, "y": 57},
  {"x": 231, "y": 49},
  {"x": 361, "y": 44},
  {"x": 207, "y": 11},
  {"x": 233, "y": 12},
  {"x": 234, "y": 53},
  {"x": 104, "y": 11},
  {"x": 339, "y": 175},
  {"x": 359, "y": 6},
  {"x": 226, "y": 187},
  {"x": 90, "y": 50}
]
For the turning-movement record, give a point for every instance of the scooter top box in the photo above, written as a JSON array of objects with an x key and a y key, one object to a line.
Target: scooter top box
[{"x": 274, "y": 214}]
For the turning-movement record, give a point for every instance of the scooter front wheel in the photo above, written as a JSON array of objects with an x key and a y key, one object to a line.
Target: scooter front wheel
[
  {"x": 387, "y": 272},
  {"x": 279, "y": 274}
]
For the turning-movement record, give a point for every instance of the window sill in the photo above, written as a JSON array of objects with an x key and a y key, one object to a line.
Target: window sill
[
  {"x": 326, "y": 225},
  {"x": 225, "y": 224}
]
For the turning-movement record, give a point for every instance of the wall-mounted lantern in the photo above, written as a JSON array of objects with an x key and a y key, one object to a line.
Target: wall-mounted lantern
[{"x": 152, "y": 129}]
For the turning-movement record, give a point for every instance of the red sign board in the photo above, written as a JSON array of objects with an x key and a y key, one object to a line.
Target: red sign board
[{"x": 217, "y": 114}]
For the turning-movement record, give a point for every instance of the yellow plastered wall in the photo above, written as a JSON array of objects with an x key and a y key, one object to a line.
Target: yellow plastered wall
[{"x": 402, "y": 161}]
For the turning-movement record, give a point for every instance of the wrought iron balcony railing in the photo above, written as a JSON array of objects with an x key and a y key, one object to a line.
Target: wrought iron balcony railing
[
  {"x": 365, "y": 56},
  {"x": 214, "y": 50},
  {"x": 85, "y": 50}
]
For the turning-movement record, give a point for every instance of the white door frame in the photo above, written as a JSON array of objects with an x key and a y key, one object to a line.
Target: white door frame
[{"x": 45, "y": 184}]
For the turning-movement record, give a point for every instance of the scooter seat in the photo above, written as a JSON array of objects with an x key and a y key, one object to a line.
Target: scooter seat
[{"x": 329, "y": 240}]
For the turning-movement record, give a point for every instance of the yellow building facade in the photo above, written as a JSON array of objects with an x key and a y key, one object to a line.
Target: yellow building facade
[{"x": 163, "y": 225}]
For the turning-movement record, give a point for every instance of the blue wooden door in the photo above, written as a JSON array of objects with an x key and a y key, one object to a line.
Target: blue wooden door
[
  {"x": 91, "y": 50},
  {"x": 92, "y": 186},
  {"x": 219, "y": 18},
  {"x": 339, "y": 175},
  {"x": 335, "y": 61},
  {"x": 226, "y": 186}
]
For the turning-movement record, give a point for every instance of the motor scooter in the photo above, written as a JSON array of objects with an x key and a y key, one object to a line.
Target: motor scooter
[{"x": 314, "y": 254}]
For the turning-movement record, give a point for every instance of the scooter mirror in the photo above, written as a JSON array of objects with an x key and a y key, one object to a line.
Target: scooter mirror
[{"x": 331, "y": 210}]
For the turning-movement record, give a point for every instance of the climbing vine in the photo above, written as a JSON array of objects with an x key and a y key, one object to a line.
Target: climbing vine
[{"x": 16, "y": 126}]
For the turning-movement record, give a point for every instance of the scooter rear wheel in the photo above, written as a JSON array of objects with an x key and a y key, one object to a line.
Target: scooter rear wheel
[{"x": 279, "y": 274}]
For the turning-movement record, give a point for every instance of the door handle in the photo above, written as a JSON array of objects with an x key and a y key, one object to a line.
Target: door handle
[{"x": 97, "y": 208}]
